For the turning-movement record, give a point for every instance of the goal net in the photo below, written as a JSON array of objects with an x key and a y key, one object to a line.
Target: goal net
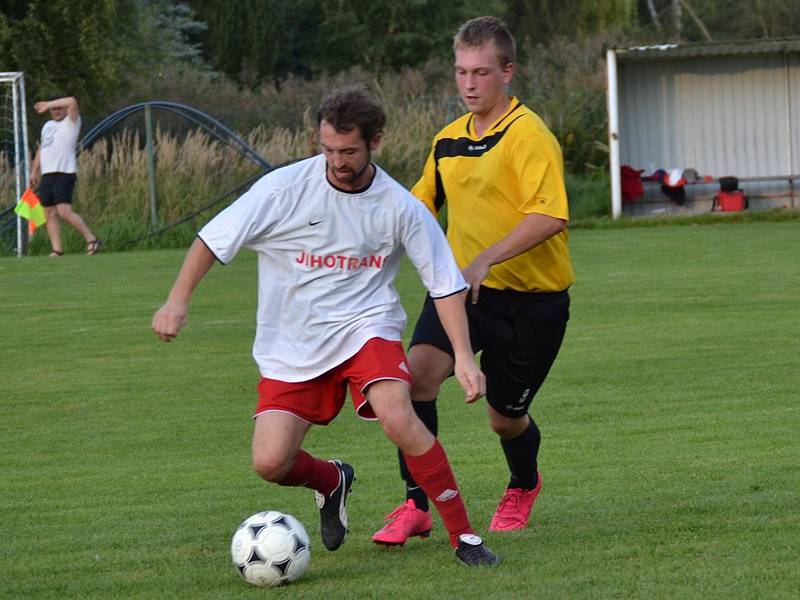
[{"x": 14, "y": 161}]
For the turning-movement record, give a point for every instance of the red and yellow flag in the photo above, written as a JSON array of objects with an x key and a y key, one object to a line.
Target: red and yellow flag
[{"x": 30, "y": 208}]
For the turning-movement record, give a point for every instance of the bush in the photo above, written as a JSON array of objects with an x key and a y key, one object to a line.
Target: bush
[{"x": 589, "y": 197}]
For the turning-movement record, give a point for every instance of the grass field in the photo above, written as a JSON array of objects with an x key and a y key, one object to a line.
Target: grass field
[{"x": 670, "y": 457}]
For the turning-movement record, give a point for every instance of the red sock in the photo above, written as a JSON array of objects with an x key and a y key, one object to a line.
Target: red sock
[
  {"x": 313, "y": 473},
  {"x": 432, "y": 472}
]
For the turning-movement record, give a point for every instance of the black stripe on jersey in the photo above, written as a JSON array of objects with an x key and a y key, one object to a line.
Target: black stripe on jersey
[
  {"x": 508, "y": 116},
  {"x": 511, "y": 112},
  {"x": 450, "y": 294},
  {"x": 438, "y": 200},
  {"x": 463, "y": 146}
]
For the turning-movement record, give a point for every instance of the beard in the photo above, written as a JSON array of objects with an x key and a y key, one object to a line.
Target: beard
[{"x": 349, "y": 176}]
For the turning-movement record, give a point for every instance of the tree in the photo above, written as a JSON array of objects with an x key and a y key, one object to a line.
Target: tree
[
  {"x": 536, "y": 22},
  {"x": 385, "y": 34},
  {"x": 706, "y": 20},
  {"x": 697, "y": 20},
  {"x": 254, "y": 40},
  {"x": 90, "y": 48},
  {"x": 64, "y": 47},
  {"x": 257, "y": 40}
]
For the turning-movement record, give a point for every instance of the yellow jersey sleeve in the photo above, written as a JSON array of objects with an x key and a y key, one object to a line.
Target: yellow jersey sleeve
[
  {"x": 535, "y": 158},
  {"x": 426, "y": 188}
]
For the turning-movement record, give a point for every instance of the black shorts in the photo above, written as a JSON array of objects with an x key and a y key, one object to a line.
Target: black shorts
[
  {"x": 519, "y": 335},
  {"x": 56, "y": 188}
]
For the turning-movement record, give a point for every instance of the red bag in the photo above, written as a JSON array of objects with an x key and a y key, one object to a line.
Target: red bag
[
  {"x": 730, "y": 201},
  {"x": 632, "y": 186}
]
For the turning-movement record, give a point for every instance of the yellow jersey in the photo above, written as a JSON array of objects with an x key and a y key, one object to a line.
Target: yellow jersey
[{"x": 490, "y": 183}]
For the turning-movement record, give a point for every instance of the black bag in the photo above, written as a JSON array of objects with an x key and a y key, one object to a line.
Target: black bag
[{"x": 728, "y": 184}]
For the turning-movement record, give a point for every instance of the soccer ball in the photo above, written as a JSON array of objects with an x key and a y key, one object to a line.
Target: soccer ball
[{"x": 271, "y": 548}]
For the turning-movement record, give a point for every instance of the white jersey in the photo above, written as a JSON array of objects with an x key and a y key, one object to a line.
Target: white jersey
[
  {"x": 59, "y": 141},
  {"x": 327, "y": 260}
]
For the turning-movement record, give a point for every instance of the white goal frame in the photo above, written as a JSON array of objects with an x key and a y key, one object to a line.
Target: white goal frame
[{"x": 21, "y": 155}]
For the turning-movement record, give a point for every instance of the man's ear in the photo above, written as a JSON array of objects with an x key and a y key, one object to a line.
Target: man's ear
[
  {"x": 508, "y": 73},
  {"x": 376, "y": 142}
]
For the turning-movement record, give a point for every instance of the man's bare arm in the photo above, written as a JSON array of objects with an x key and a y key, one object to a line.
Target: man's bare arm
[
  {"x": 171, "y": 317},
  {"x": 529, "y": 233},
  {"x": 70, "y": 103},
  {"x": 453, "y": 317}
]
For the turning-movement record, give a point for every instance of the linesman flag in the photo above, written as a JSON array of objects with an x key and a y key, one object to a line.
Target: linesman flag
[{"x": 30, "y": 208}]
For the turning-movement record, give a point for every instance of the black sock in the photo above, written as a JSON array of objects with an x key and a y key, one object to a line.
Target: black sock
[
  {"x": 428, "y": 414},
  {"x": 521, "y": 453}
]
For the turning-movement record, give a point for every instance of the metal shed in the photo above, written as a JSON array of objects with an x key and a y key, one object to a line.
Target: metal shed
[{"x": 722, "y": 109}]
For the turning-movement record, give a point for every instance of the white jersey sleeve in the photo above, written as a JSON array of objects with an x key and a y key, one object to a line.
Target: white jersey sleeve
[
  {"x": 427, "y": 248},
  {"x": 242, "y": 223}
]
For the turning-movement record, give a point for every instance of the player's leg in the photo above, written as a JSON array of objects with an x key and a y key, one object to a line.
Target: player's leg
[
  {"x": 515, "y": 371},
  {"x": 277, "y": 437},
  {"x": 430, "y": 364},
  {"x": 428, "y": 464},
  {"x": 284, "y": 415},
  {"x": 70, "y": 216},
  {"x": 520, "y": 440},
  {"x": 53, "y": 224},
  {"x": 63, "y": 190}
]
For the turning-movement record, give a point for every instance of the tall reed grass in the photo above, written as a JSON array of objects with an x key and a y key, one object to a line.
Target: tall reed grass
[{"x": 193, "y": 170}]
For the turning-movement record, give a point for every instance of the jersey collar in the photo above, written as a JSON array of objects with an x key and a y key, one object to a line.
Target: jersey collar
[
  {"x": 358, "y": 191},
  {"x": 513, "y": 105}
]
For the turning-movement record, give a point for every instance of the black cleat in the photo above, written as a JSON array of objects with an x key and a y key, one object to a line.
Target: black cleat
[
  {"x": 332, "y": 509},
  {"x": 473, "y": 553}
]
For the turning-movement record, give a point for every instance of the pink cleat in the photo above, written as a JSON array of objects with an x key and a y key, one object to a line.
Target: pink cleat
[
  {"x": 402, "y": 523},
  {"x": 515, "y": 508}
]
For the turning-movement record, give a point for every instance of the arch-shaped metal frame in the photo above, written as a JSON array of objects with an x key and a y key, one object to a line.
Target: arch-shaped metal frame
[{"x": 208, "y": 123}]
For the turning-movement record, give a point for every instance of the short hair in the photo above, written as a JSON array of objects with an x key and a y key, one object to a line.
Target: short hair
[
  {"x": 480, "y": 30},
  {"x": 353, "y": 107}
]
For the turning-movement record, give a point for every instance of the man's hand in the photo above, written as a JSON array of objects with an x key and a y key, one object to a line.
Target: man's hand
[
  {"x": 534, "y": 229},
  {"x": 33, "y": 180},
  {"x": 41, "y": 106},
  {"x": 169, "y": 320},
  {"x": 474, "y": 274},
  {"x": 470, "y": 377}
]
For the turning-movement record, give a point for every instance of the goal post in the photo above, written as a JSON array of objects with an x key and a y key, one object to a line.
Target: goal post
[{"x": 14, "y": 153}]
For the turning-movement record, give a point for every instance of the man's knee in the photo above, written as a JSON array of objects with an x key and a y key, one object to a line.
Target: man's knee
[
  {"x": 64, "y": 210},
  {"x": 507, "y": 427},
  {"x": 398, "y": 423},
  {"x": 391, "y": 402},
  {"x": 407, "y": 432},
  {"x": 271, "y": 467},
  {"x": 429, "y": 368}
]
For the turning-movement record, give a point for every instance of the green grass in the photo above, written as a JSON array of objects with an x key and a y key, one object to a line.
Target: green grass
[{"x": 670, "y": 459}]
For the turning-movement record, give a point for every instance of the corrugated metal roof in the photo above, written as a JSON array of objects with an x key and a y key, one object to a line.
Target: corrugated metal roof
[{"x": 679, "y": 51}]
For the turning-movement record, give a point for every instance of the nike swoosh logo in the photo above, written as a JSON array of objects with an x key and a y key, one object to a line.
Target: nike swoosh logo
[{"x": 312, "y": 223}]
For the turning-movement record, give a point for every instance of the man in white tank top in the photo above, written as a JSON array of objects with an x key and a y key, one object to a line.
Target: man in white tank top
[
  {"x": 56, "y": 161},
  {"x": 330, "y": 232}
]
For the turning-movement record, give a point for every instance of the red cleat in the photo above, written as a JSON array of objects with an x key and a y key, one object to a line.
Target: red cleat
[
  {"x": 402, "y": 523},
  {"x": 515, "y": 508}
]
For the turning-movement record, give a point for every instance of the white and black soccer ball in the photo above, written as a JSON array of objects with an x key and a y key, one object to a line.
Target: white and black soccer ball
[{"x": 271, "y": 548}]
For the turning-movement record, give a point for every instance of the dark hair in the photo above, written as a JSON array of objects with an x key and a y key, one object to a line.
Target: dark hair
[
  {"x": 353, "y": 107},
  {"x": 480, "y": 30}
]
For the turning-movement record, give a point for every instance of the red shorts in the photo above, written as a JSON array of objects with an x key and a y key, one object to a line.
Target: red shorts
[{"x": 319, "y": 400}]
